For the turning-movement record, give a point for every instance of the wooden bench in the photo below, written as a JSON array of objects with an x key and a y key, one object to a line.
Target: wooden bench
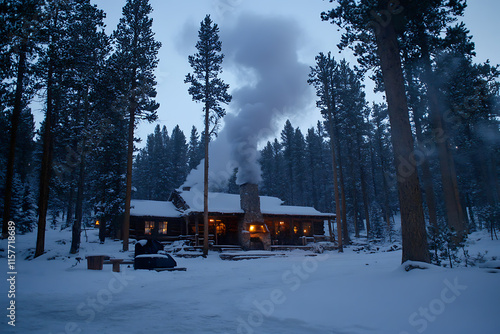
[
  {"x": 96, "y": 262},
  {"x": 169, "y": 269},
  {"x": 116, "y": 263}
]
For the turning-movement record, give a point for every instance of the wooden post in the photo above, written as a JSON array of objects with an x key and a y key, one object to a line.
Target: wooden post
[
  {"x": 196, "y": 231},
  {"x": 116, "y": 264},
  {"x": 330, "y": 230},
  {"x": 186, "y": 220}
]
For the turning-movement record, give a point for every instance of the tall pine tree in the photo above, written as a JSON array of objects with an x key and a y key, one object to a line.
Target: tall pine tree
[
  {"x": 135, "y": 58},
  {"x": 206, "y": 87}
]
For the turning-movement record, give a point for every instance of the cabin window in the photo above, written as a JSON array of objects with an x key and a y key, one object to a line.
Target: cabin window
[
  {"x": 149, "y": 227},
  {"x": 162, "y": 227},
  {"x": 307, "y": 229},
  {"x": 262, "y": 228},
  {"x": 220, "y": 227}
]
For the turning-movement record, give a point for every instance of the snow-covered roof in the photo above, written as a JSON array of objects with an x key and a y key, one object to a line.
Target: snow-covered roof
[
  {"x": 139, "y": 207},
  {"x": 230, "y": 203}
]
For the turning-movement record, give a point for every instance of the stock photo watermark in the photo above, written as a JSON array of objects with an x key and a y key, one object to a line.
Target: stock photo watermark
[
  {"x": 421, "y": 319},
  {"x": 291, "y": 280},
  {"x": 423, "y": 150},
  {"x": 88, "y": 310},
  {"x": 11, "y": 274}
]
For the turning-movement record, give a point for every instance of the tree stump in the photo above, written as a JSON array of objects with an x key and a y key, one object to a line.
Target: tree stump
[{"x": 95, "y": 262}]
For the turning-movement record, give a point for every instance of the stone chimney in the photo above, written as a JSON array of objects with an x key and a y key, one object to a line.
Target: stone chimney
[
  {"x": 253, "y": 232},
  {"x": 250, "y": 203}
]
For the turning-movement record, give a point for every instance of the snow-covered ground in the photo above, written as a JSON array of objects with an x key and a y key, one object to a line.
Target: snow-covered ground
[{"x": 353, "y": 292}]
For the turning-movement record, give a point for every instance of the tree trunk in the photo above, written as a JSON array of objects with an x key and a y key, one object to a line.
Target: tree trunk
[
  {"x": 355, "y": 208},
  {"x": 205, "y": 182},
  {"x": 454, "y": 211},
  {"x": 335, "y": 184},
  {"x": 130, "y": 156},
  {"x": 77, "y": 225},
  {"x": 363, "y": 187},
  {"x": 43, "y": 200},
  {"x": 386, "y": 210},
  {"x": 14, "y": 124},
  {"x": 373, "y": 168},
  {"x": 430, "y": 196},
  {"x": 69, "y": 211},
  {"x": 345, "y": 230},
  {"x": 412, "y": 215}
]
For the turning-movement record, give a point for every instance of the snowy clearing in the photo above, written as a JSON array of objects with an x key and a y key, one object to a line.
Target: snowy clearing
[{"x": 299, "y": 293}]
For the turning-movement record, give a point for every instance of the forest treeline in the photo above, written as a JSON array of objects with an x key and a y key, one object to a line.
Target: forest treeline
[{"x": 93, "y": 86}]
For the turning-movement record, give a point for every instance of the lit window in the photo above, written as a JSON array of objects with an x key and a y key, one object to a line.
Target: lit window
[
  {"x": 258, "y": 228},
  {"x": 162, "y": 227},
  {"x": 148, "y": 227},
  {"x": 221, "y": 227},
  {"x": 307, "y": 229}
]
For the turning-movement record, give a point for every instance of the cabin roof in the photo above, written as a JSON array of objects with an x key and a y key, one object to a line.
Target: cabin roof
[
  {"x": 230, "y": 203},
  {"x": 140, "y": 208}
]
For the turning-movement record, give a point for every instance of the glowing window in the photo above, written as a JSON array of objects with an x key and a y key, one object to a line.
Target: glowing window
[
  {"x": 258, "y": 228},
  {"x": 148, "y": 227},
  {"x": 308, "y": 229},
  {"x": 162, "y": 227},
  {"x": 221, "y": 227}
]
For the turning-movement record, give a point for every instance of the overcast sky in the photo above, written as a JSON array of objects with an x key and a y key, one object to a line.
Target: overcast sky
[{"x": 296, "y": 22}]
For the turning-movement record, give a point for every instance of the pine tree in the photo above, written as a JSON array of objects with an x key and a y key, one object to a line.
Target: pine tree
[
  {"x": 51, "y": 69},
  {"x": 356, "y": 18},
  {"x": 136, "y": 59},
  {"x": 27, "y": 215},
  {"x": 194, "y": 156},
  {"x": 382, "y": 147},
  {"x": 207, "y": 88},
  {"x": 426, "y": 20},
  {"x": 299, "y": 166},
  {"x": 322, "y": 77},
  {"x": 89, "y": 47},
  {"x": 469, "y": 92},
  {"x": 287, "y": 144},
  {"x": 179, "y": 158},
  {"x": 21, "y": 23}
]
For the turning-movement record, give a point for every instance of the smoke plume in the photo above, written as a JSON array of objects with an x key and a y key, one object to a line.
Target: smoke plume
[{"x": 262, "y": 53}]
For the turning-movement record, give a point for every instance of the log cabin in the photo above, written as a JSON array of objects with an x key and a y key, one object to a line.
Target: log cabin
[{"x": 247, "y": 220}]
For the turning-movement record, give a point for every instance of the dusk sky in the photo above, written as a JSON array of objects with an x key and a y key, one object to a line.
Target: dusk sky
[{"x": 176, "y": 24}]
